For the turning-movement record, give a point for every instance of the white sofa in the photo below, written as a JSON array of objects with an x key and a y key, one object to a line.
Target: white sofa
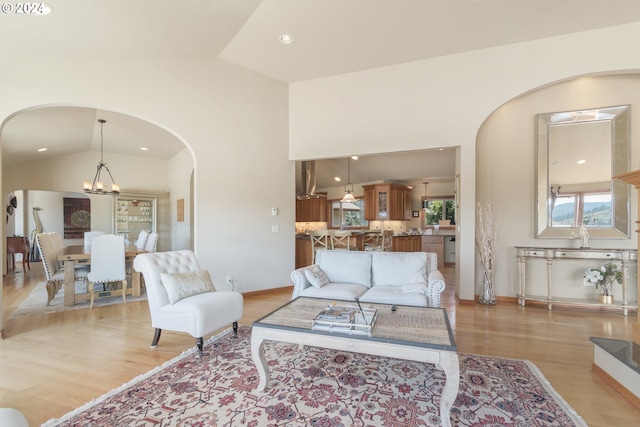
[{"x": 400, "y": 278}]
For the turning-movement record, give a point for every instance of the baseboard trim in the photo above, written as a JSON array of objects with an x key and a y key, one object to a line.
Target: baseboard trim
[
  {"x": 508, "y": 300},
  {"x": 631, "y": 398},
  {"x": 267, "y": 291}
]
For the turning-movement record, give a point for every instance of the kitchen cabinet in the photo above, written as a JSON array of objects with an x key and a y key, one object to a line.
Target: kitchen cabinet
[
  {"x": 313, "y": 209},
  {"x": 134, "y": 213},
  {"x": 406, "y": 244},
  {"x": 387, "y": 202},
  {"x": 303, "y": 251},
  {"x": 419, "y": 243}
]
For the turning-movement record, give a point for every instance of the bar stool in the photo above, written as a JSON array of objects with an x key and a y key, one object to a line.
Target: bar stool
[
  {"x": 319, "y": 240},
  {"x": 340, "y": 240}
]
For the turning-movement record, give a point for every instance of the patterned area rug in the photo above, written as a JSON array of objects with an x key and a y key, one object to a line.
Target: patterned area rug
[
  {"x": 328, "y": 388},
  {"x": 36, "y": 302}
]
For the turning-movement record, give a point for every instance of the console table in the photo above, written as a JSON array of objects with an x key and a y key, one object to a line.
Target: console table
[{"x": 625, "y": 256}]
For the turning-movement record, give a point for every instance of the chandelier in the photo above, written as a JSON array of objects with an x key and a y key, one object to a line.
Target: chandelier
[{"x": 97, "y": 186}]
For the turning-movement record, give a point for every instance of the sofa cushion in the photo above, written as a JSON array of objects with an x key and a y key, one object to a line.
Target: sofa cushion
[
  {"x": 183, "y": 285},
  {"x": 339, "y": 291},
  {"x": 346, "y": 266},
  {"x": 316, "y": 276},
  {"x": 383, "y": 294},
  {"x": 398, "y": 268}
]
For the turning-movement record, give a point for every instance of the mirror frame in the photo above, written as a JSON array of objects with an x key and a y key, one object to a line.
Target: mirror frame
[{"x": 620, "y": 162}]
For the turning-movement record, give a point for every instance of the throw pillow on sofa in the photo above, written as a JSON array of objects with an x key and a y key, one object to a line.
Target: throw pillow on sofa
[{"x": 316, "y": 276}]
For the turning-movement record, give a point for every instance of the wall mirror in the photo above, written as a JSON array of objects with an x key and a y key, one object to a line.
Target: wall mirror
[{"x": 577, "y": 153}]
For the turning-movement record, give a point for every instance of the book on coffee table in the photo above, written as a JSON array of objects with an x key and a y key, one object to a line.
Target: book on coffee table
[
  {"x": 337, "y": 314},
  {"x": 345, "y": 319}
]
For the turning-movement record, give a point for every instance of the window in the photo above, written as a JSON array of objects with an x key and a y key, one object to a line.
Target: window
[
  {"x": 348, "y": 215},
  {"x": 436, "y": 209},
  {"x": 573, "y": 209}
]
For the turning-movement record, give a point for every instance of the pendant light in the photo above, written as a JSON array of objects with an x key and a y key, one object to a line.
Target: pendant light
[
  {"x": 348, "y": 197},
  {"x": 97, "y": 186},
  {"x": 425, "y": 203}
]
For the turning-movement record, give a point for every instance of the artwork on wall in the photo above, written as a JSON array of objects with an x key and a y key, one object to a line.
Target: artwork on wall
[
  {"x": 77, "y": 217},
  {"x": 180, "y": 210}
]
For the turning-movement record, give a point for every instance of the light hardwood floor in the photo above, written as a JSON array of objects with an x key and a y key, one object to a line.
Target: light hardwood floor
[{"x": 51, "y": 364}]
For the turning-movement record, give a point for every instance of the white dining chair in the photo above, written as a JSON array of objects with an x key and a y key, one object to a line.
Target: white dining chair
[
  {"x": 89, "y": 235},
  {"x": 142, "y": 240},
  {"x": 107, "y": 265},
  {"x": 152, "y": 242},
  {"x": 52, "y": 270}
]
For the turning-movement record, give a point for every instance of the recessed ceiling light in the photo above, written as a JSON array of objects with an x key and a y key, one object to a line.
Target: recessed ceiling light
[
  {"x": 41, "y": 149},
  {"x": 144, "y": 148},
  {"x": 581, "y": 162},
  {"x": 337, "y": 178},
  {"x": 285, "y": 39},
  {"x": 354, "y": 157}
]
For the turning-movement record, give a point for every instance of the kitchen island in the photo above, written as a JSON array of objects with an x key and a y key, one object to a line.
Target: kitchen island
[{"x": 420, "y": 243}]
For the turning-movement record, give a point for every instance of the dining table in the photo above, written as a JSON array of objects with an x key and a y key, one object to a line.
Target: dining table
[{"x": 81, "y": 255}]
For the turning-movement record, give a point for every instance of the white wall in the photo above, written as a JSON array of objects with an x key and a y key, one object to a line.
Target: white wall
[
  {"x": 180, "y": 174},
  {"x": 505, "y": 166},
  {"x": 443, "y": 102}
]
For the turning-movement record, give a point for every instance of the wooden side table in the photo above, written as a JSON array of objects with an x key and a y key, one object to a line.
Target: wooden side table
[{"x": 18, "y": 245}]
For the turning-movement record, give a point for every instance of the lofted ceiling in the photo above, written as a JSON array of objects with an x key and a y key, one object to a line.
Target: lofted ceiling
[{"x": 329, "y": 37}]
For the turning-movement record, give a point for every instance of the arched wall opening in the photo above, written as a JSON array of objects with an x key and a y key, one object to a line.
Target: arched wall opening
[
  {"x": 69, "y": 134},
  {"x": 505, "y": 159}
]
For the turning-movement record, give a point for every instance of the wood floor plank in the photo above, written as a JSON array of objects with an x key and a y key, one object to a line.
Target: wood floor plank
[{"x": 51, "y": 364}]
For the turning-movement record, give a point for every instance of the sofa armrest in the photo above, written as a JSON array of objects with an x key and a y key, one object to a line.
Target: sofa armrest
[
  {"x": 300, "y": 282},
  {"x": 435, "y": 288}
]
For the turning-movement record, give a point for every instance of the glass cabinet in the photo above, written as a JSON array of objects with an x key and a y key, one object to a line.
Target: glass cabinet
[{"x": 134, "y": 213}]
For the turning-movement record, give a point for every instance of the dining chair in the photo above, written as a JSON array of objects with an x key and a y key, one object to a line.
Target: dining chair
[
  {"x": 52, "y": 270},
  {"x": 340, "y": 240},
  {"x": 107, "y": 265},
  {"x": 152, "y": 242},
  {"x": 142, "y": 240},
  {"x": 182, "y": 297},
  {"x": 57, "y": 243},
  {"x": 89, "y": 235},
  {"x": 319, "y": 240}
]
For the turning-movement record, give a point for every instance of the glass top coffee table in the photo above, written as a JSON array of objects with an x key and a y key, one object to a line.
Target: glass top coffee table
[{"x": 411, "y": 333}]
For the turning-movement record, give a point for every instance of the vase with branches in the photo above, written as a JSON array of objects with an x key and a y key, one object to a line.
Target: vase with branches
[{"x": 488, "y": 237}]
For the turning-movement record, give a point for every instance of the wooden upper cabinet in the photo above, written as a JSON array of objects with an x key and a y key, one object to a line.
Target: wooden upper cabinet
[
  {"x": 313, "y": 209},
  {"x": 387, "y": 202}
]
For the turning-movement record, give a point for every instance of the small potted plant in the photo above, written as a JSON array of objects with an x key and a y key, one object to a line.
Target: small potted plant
[{"x": 604, "y": 278}]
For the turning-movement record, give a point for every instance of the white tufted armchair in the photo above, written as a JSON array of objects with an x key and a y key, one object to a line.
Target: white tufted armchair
[{"x": 199, "y": 314}]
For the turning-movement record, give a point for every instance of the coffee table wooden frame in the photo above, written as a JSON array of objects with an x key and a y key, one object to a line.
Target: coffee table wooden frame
[{"x": 444, "y": 357}]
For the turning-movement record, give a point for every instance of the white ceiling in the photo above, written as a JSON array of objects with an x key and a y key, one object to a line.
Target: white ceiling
[{"x": 329, "y": 37}]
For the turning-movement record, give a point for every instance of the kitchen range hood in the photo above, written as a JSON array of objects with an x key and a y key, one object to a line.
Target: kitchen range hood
[{"x": 306, "y": 181}]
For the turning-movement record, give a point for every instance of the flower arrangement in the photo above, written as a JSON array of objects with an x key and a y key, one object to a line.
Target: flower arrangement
[{"x": 603, "y": 277}]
